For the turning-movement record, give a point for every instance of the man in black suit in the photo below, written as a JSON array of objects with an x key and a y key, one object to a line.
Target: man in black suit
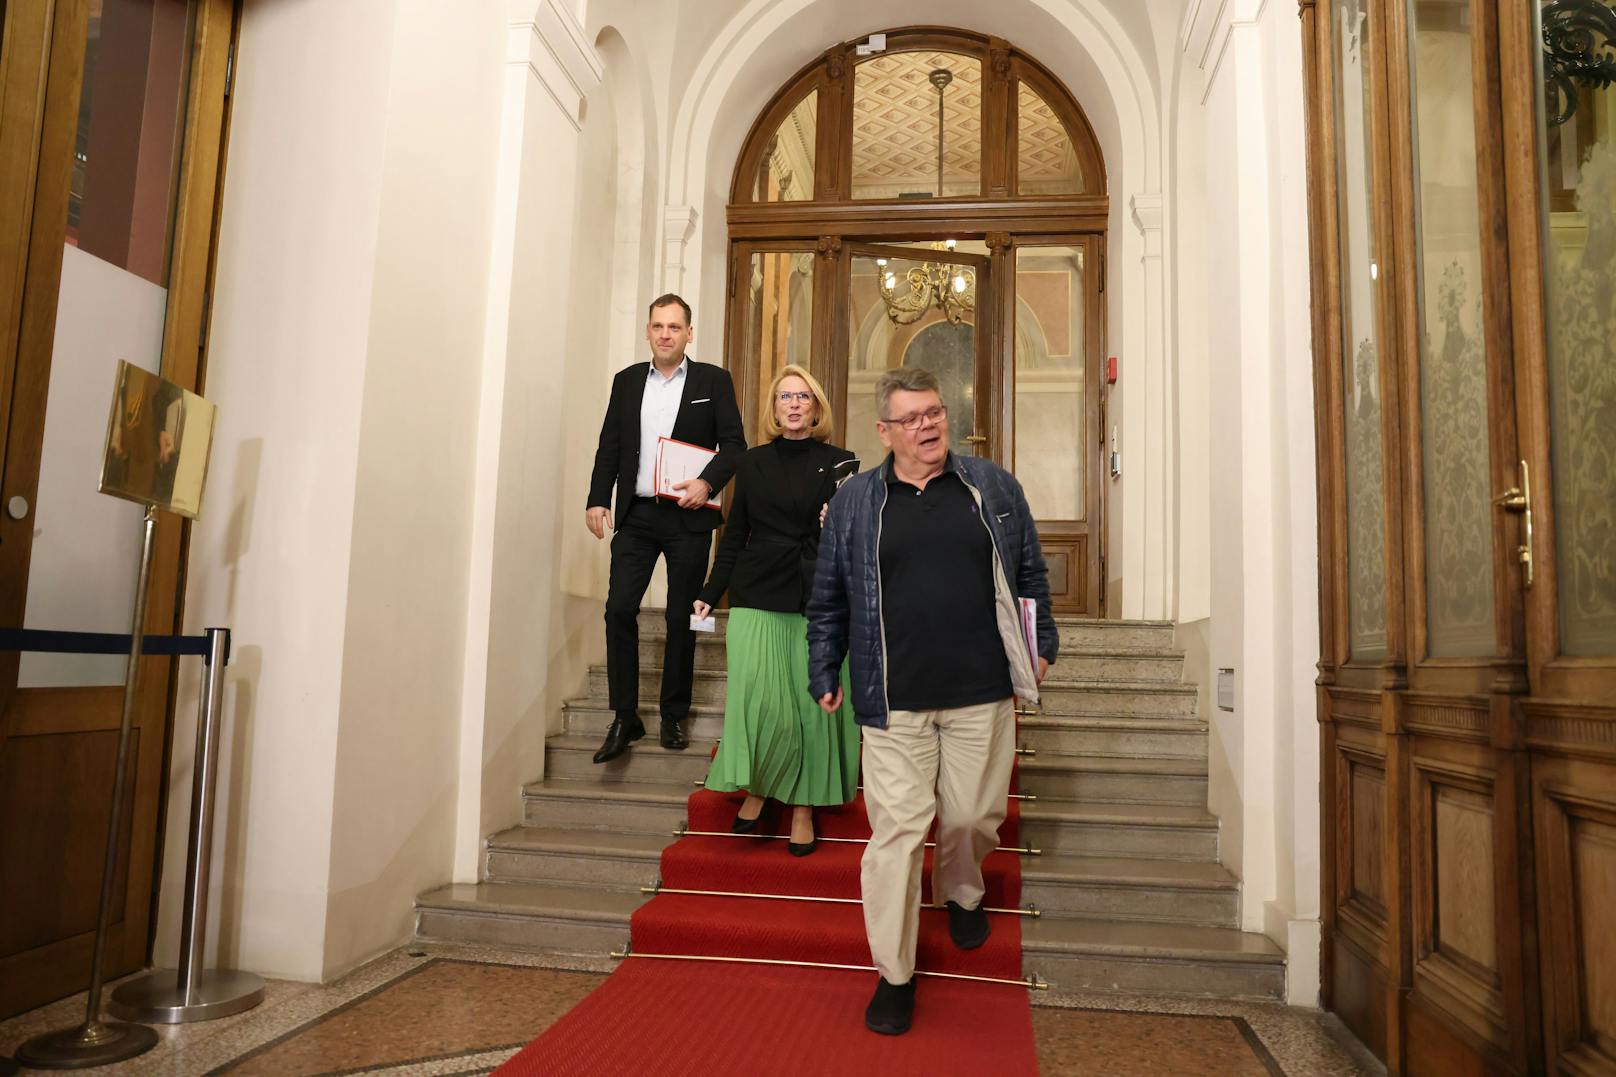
[{"x": 676, "y": 397}]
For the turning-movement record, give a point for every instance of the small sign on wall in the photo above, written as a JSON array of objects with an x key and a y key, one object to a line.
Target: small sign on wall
[{"x": 1225, "y": 688}]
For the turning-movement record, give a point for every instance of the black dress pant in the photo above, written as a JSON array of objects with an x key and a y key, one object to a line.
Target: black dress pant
[{"x": 653, "y": 528}]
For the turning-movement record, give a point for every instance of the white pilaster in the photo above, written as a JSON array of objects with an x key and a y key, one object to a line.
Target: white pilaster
[{"x": 678, "y": 228}]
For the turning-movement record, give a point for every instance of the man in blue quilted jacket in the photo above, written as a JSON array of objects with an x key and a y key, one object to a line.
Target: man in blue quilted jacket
[{"x": 923, "y": 567}]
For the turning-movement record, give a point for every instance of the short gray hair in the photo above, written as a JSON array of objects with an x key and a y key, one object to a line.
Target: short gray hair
[{"x": 910, "y": 379}]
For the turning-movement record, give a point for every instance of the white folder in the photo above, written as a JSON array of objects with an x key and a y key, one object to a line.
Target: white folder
[{"x": 680, "y": 461}]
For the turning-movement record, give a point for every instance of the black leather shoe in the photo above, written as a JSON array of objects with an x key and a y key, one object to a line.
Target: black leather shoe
[
  {"x": 673, "y": 736},
  {"x": 891, "y": 1008},
  {"x": 803, "y": 849},
  {"x": 967, "y": 927},
  {"x": 623, "y": 732}
]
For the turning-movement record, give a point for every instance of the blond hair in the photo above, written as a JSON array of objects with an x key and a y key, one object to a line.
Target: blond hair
[{"x": 823, "y": 420}]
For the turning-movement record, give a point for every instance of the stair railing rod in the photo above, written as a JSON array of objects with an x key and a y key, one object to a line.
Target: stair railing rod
[
  {"x": 849, "y": 841},
  {"x": 1031, "y": 911},
  {"x": 1034, "y": 982}
]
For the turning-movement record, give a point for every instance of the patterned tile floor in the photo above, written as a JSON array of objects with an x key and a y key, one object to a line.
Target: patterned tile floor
[{"x": 436, "y": 1009}]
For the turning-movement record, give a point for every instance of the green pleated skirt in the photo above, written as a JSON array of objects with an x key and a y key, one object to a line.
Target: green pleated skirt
[{"x": 777, "y": 742}]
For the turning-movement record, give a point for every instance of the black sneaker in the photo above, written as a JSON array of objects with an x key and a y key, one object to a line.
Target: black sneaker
[
  {"x": 891, "y": 1008},
  {"x": 967, "y": 927}
]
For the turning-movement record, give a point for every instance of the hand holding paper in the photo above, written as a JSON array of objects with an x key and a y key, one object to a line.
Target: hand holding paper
[{"x": 679, "y": 463}]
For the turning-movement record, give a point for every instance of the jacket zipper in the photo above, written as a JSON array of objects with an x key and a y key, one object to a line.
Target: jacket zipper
[{"x": 881, "y": 604}]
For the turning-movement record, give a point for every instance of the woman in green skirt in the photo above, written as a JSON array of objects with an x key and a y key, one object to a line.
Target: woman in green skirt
[{"x": 777, "y": 743}]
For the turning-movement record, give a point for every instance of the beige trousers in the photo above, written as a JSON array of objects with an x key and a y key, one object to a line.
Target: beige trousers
[{"x": 954, "y": 764}]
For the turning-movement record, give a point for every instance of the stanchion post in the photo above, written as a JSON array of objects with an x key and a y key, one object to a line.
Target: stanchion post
[
  {"x": 96, "y": 1042},
  {"x": 189, "y": 992}
]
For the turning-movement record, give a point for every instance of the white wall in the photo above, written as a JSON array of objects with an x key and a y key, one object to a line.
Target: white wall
[
  {"x": 526, "y": 645},
  {"x": 1243, "y": 101},
  {"x": 344, "y": 358},
  {"x": 397, "y": 773}
]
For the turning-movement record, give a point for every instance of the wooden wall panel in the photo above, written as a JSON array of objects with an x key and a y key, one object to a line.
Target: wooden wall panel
[{"x": 1574, "y": 805}]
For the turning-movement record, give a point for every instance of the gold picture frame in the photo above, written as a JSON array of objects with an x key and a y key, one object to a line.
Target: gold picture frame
[{"x": 159, "y": 438}]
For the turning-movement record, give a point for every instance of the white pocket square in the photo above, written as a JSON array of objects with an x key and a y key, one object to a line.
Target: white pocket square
[{"x": 703, "y": 400}]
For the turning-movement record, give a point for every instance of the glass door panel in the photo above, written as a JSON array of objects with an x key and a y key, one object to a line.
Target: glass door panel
[
  {"x": 1352, "y": 35},
  {"x": 911, "y": 307},
  {"x": 1052, "y": 442},
  {"x": 111, "y": 305},
  {"x": 1452, "y": 342},
  {"x": 1579, "y": 286},
  {"x": 778, "y": 330}
]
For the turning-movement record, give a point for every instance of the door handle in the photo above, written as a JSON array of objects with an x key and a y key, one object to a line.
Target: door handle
[{"x": 1519, "y": 499}]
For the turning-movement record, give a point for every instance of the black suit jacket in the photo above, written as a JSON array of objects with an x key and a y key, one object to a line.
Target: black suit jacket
[
  {"x": 771, "y": 539},
  {"x": 707, "y": 417}
]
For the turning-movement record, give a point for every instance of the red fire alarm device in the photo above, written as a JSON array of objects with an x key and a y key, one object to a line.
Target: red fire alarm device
[{"x": 1111, "y": 370}]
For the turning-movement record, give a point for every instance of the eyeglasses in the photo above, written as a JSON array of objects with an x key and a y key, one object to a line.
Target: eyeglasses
[
  {"x": 802, "y": 397},
  {"x": 933, "y": 415}
]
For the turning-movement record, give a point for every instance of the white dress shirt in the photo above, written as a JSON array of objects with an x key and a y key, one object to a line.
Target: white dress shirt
[{"x": 658, "y": 409}]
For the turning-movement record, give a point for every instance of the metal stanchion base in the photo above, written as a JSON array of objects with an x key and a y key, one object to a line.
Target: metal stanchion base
[
  {"x": 156, "y": 997},
  {"x": 98, "y": 1043}
]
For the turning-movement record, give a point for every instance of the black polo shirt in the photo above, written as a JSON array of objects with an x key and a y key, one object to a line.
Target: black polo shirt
[{"x": 937, "y": 607}]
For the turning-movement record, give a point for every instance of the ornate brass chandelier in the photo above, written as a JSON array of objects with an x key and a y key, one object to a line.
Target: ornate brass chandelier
[{"x": 949, "y": 288}]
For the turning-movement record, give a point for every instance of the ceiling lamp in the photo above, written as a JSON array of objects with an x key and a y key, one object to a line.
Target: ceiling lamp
[{"x": 949, "y": 288}]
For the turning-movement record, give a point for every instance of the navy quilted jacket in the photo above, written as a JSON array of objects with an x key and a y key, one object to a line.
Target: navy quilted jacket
[{"x": 844, "y": 611}]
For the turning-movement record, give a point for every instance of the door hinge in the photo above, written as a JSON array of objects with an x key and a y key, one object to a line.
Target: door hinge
[
  {"x": 1102, "y": 271},
  {"x": 207, "y": 321},
  {"x": 230, "y": 69}
]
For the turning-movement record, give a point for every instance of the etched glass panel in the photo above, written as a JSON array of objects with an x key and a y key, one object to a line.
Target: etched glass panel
[
  {"x": 1360, "y": 350},
  {"x": 899, "y": 148},
  {"x": 1579, "y": 287},
  {"x": 786, "y": 173},
  {"x": 1453, "y": 358},
  {"x": 881, "y": 342},
  {"x": 112, "y": 303},
  {"x": 1050, "y": 413},
  {"x": 1046, "y": 156},
  {"x": 779, "y": 329}
]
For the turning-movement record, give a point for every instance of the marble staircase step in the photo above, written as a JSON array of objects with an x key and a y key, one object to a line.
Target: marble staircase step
[
  {"x": 1096, "y": 954},
  {"x": 574, "y": 922},
  {"x": 1097, "y": 698},
  {"x": 1089, "y": 634}
]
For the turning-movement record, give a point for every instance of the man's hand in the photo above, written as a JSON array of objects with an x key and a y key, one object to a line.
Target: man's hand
[
  {"x": 598, "y": 519},
  {"x": 693, "y": 493},
  {"x": 831, "y": 702},
  {"x": 1043, "y": 668},
  {"x": 700, "y": 609},
  {"x": 823, "y": 511}
]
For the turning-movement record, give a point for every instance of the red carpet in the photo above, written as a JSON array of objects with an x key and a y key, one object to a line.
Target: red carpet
[{"x": 717, "y": 1018}]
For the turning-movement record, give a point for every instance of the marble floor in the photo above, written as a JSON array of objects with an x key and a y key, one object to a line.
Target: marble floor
[{"x": 437, "y": 1009}]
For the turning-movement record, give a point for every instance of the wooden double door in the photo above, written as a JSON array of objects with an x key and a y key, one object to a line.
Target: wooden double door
[
  {"x": 1463, "y": 199},
  {"x": 1015, "y": 341},
  {"x": 111, "y": 127}
]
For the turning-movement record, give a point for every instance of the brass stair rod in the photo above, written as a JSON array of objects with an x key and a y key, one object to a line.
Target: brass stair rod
[
  {"x": 701, "y": 783},
  {"x": 1034, "y": 982},
  {"x": 851, "y": 841},
  {"x": 1032, "y": 912}
]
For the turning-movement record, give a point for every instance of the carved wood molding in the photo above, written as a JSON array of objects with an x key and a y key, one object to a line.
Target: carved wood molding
[{"x": 1436, "y": 716}]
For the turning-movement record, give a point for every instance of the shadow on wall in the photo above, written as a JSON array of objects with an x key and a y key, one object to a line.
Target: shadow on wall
[
  {"x": 246, "y": 667},
  {"x": 238, "y": 533}
]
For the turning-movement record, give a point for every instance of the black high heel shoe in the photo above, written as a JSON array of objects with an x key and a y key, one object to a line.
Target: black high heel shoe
[
  {"x": 748, "y": 826},
  {"x": 804, "y": 848}
]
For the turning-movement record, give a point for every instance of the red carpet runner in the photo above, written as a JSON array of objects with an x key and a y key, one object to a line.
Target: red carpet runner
[{"x": 717, "y": 1018}]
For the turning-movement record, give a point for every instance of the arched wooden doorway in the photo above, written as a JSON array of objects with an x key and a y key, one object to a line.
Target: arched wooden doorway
[{"x": 954, "y": 160}]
